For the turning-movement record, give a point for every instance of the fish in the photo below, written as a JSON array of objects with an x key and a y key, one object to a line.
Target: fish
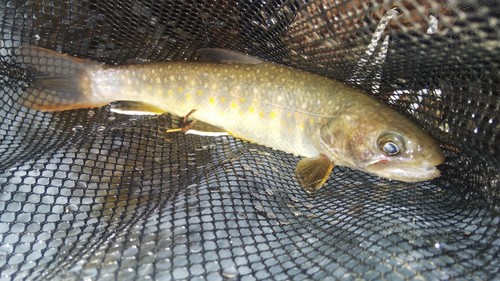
[{"x": 324, "y": 121}]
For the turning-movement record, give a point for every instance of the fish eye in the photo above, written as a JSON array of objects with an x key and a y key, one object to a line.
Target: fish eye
[
  {"x": 391, "y": 144},
  {"x": 390, "y": 148}
]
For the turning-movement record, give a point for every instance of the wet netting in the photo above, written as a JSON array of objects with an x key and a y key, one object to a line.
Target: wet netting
[{"x": 95, "y": 195}]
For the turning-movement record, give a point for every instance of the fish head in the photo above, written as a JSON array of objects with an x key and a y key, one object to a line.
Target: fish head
[{"x": 382, "y": 142}]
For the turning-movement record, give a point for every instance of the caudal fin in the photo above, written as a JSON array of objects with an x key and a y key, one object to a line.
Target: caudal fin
[{"x": 60, "y": 82}]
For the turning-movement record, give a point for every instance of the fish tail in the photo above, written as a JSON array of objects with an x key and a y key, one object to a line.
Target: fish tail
[{"x": 60, "y": 82}]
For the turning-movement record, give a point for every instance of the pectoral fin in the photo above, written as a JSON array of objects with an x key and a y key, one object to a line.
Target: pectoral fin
[
  {"x": 199, "y": 128},
  {"x": 313, "y": 172},
  {"x": 135, "y": 108}
]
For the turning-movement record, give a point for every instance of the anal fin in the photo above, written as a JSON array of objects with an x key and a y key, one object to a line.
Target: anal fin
[{"x": 313, "y": 172}]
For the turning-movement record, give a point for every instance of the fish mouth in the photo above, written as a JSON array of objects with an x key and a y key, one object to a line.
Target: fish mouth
[{"x": 402, "y": 172}]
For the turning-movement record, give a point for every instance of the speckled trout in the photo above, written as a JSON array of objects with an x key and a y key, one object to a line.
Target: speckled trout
[{"x": 322, "y": 120}]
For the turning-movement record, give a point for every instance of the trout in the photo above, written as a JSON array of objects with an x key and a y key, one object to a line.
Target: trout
[{"x": 322, "y": 120}]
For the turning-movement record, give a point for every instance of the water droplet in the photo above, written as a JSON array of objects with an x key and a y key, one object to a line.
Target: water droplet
[
  {"x": 271, "y": 215},
  {"x": 309, "y": 205},
  {"x": 111, "y": 118},
  {"x": 230, "y": 272},
  {"x": 90, "y": 113},
  {"x": 476, "y": 130},
  {"x": 437, "y": 245},
  {"x": 139, "y": 168},
  {"x": 269, "y": 192},
  {"x": 101, "y": 128},
  {"x": 271, "y": 21},
  {"x": 38, "y": 166},
  {"x": 77, "y": 128},
  {"x": 284, "y": 222},
  {"x": 259, "y": 207},
  {"x": 71, "y": 208}
]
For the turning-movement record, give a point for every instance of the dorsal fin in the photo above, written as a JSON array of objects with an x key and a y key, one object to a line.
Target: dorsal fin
[{"x": 228, "y": 56}]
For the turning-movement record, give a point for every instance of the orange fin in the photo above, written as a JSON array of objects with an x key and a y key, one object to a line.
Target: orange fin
[
  {"x": 313, "y": 172},
  {"x": 60, "y": 82}
]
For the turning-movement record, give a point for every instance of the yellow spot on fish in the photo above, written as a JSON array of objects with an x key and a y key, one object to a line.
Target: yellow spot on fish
[
  {"x": 180, "y": 89},
  {"x": 301, "y": 126},
  {"x": 242, "y": 100},
  {"x": 273, "y": 115},
  {"x": 261, "y": 114},
  {"x": 234, "y": 105},
  {"x": 188, "y": 97},
  {"x": 211, "y": 100},
  {"x": 251, "y": 109},
  {"x": 170, "y": 92},
  {"x": 199, "y": 92},
  {"x": 222, "y": 99}
]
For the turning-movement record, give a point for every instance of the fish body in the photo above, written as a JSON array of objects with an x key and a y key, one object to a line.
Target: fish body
[{"x": 294, "y": 111}]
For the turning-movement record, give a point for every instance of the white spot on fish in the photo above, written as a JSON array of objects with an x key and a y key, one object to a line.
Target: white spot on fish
[
  {"x": 279, "y": 98},
  {"x": 172, "y": 78}
]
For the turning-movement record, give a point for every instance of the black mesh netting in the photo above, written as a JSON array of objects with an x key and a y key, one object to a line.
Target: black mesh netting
[{"x": 90, "y": 194}]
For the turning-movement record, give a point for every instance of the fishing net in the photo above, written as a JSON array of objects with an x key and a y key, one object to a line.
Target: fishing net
[{"x": 91, "y": 194}]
